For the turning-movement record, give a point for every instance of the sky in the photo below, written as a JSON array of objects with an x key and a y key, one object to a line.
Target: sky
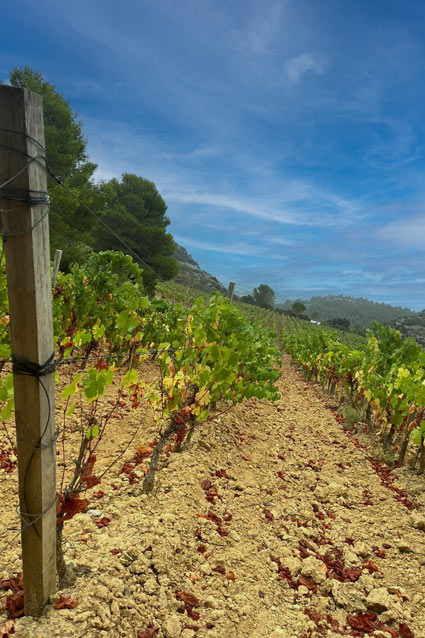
[{"x": 287, "y": 137}]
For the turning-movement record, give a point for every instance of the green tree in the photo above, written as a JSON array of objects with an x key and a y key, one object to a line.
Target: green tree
[
  {"x": 298, "y": 307},
  {"x": 247, "y": 299},
  {"x": 135, "y": 211},
  {"x": 264, "y": 296},
  {"x": 72, "y": 225},
  {"x": 339, "y": 322}
]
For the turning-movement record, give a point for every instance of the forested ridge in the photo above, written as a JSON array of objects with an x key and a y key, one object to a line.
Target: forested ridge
[{"x": 361, "y": 312}]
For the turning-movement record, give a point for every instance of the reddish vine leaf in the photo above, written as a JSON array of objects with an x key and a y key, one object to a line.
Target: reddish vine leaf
[
  {"x": 87, "y": 475},
  {"x": 143, "y": 452},
  {"x": 6, "y": 463},
  {"x": 190, "y": 602},
  {"x": 100, "y": 365},
  {"x": 405, "y": 631},
  {"x": 267, "y": 513},
  {"x": 7, "y": 629},
  {"x": 14, "y": 583},
  {"x": 313, "y": 615},
  {"x": 337, "y": 569},
  {"x": 181, "y": 434},
  {"x": 214, "y": 518},
  {"x": 149, "y": 632},
  {"x": 65, "y": 602},
  {"x": 231, "y": 575},
  {"x": 371, "y": 566},
  {"x": 68, "y": 507},
  {"x": 222, "y": 474},
  {"x": 352, "y": 575},
  {"x": 15, "y": 604},
  {"x": 99, "y": 494},
  {"x": 102, "y": 522},
  {"x": 333, "y": 623},
  {"x": 311, "y": 586},
  {"x": 363, "y": 622},
  {"x": 198, "y": 534},
  {"x": 219, "y": 569},
  {"x": 128, "y": 468}
]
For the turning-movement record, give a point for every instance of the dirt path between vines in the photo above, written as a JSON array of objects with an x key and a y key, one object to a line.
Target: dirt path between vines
[{"x": 275, "y": 523}]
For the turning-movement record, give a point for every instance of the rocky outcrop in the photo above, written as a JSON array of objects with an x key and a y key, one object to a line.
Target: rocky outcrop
[
  {"x": 412, "y": 327},
  {"x": 190, "y": 273}
]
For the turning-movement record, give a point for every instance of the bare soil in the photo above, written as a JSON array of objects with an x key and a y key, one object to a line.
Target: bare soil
[{"x": 276, "y": 522}]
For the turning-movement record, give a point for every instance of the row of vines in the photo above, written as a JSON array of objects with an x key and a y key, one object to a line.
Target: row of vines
[
  {"x": 207, "y": 357},
  {"x": 383, "y": 376}
]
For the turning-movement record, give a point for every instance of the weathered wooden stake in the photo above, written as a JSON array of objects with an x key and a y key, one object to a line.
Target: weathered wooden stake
[
  {"x": 56, "y": 264},
  {"x": 26, "y": 244},
  {"x": 231, "y": 291}
]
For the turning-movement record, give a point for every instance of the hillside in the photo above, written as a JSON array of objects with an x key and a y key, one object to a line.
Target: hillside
[
  {"x": 361, "y": 312},
  {"x": 412, "y": 326},
  {"x": 191, "y": 274}
]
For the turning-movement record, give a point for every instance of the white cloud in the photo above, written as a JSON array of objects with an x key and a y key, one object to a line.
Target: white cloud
[
  {"x": 406, "y": 233},
  {"x": 301, "y": 64},
  {"x": 282, "y": 241},
  {"x": 234, "y": 203},
  {"x": 234, "y": 249}
]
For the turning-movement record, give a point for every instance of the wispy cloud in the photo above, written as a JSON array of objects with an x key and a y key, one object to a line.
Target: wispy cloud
[
  {"x": 405, "y": 233},
  {"x": 237, "y": 204},
  {"x": 233, "y": 249},
  {"x": 286, "y": 137},
  {"x": 301, "y": 64}
]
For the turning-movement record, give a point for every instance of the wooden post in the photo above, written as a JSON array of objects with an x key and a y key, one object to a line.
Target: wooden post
[
  {"x": 56, "y": 264},
  {"x": 231, "y": 291},
  {"x": 26, "y": 244}
]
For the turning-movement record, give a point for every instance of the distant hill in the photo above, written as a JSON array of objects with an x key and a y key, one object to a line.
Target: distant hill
[
  {"x": 190, "y": 273},
  {"x": 412, "y": 326},
  {"x": 361, "y": 312}
]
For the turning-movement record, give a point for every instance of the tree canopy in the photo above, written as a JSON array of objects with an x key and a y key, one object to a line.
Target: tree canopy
[
  {"x": 132, "y": 207},
  {"x": 66, "y": 153},
  {"x": 339, "y": 322},
  {"x": 298, "y": 307},
  {"x": 136, "y": 212},
  {"x": 263, "y": 296}
]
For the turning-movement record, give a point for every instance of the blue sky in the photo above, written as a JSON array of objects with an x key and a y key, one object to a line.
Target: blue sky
[{"x": 286, "y": 136}]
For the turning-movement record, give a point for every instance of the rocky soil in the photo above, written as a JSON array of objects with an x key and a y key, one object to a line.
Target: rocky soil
[{"x": 275, "y": 523}]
